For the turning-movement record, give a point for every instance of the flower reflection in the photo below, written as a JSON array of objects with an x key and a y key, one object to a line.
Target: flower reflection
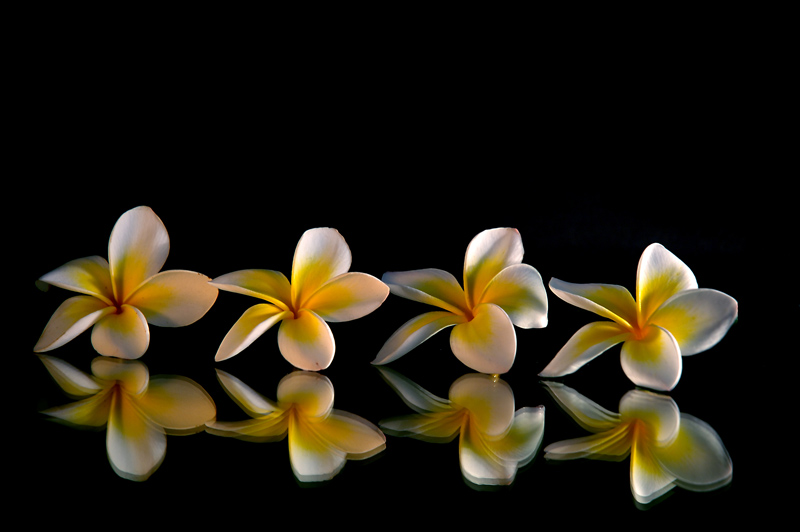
[
  {"x": 494, "y": 439},
  {"x": 137, "y": 409},
  {"x": 321, "y": 438},
  {"x": 667, "y": 448}
]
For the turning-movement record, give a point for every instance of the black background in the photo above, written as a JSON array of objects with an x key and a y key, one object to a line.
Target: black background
[{"x": 592, "y": 156}]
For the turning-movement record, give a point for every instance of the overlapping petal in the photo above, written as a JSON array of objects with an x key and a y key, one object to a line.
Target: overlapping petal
[
  {"x": 321, "y": 255},
  {"x": 177, "y": 404},
  {"x": 254, "y": 322},
  {"x": 136, "y": 446},
  {"x": 122, "y": 334},
  {"x": 348, "y": 297},
  {"x": 586, "y": 344},
  {"x": 414, "y": 332},
  {"x": 311, "y": 393},
  {"x": 487, "y": 254},
  {"x": 74, "y": 316},
  {"x": 431, "y": 286},
  {"x": 519, "y": 291},
  {"x": 268, "y": 285},
  {"x": 490, "y": 402},
  {"x": 653, "y": 361},
  {"x": 306, "y": 341},
  {"x": 660, "y": 275},
  {"x": 174, "y": 298},
  {"x": 610, "y": 301},
  {"x": 487, "y": 343}
]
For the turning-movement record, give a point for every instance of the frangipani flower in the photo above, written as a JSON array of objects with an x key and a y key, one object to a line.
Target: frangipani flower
[
  {"x": 666, "y": 447},
  {"x": 137, "y": 410},
  {"x": 499, "y": 292},
  {"x": 321, "y": 438},
  {"x": 122, "y": 295},
  {"x": 322, "y": 290},
  {"x": 670, "y": 318},
  {"x": 494, "y": 439}
]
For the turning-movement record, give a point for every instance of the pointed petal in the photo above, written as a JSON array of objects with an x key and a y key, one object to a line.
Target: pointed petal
[
  {"x": 321, "y": 255},
  {"x": 306, "y": 341},
  {"x": 136, "y": 446},
  {"x": 588, "y": 414},
  {"x": 436, "y": 427},
  {"x": 490, "y": 402},
  {"x": 488, "y": 254},
  {"x": 254, "y": 322},
  {"x": 479, "y": 464},
  {"x": 174, "y": 298},
  {"x": 660, "y": 276},
  {"x": 524, "y": 438},
  {"x": 519, "y": 291},
  {"x": 89, "y": 412},
  {"x": 246, "y": 397},
  {"x": 312, "y": 393},
  {"x": 71, "y": 318},
  {"x": 90, "y": 276},
  {"x": 697, "y": 458},
  {"x": 414, "y": 332},
  {"x": 654, "y": 361},
  {"x": 648, "y": 479},
  {"x": 137, "y": 249},
  {"x": 124, "y": 334},
  {"x": 607, "y": 300},
  {"x": 659, "y": 413},
  {"x": 268, "y": 428},
  {"x": 351, "y": 434},
  {"x": 698, "y": 319},
  {"x": 613, "y": 444},
  {"x": 487, "y": 343},
  {"x": 430, "y": 286},
  {"x": 268, "y": 285},
  {"x": 590, "y": 341},
  {"x": 414, "y": 395},
  {"x": 73, "y": 381},
  {"x": 177, "y": 404},
  {"x": 348, "y": 297}
]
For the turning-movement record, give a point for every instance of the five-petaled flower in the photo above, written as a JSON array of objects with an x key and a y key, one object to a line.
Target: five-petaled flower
[
  {"x": 499, "y": 292},
  {"x": 670, "y": 318},
  {"x": 322, "y": 290},
  {"x": 122, "y": 295}
]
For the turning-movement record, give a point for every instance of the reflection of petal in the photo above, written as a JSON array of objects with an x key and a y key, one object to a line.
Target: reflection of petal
[
  {"x": 519, "y": 291},
  {"x": 348, "y": 297},
  {"x": 488, "y": 342},
  {"x": 177, "y": 404},
  {"x": 353, "y": 435},
  {"x": 430, "y": 286},
  {"x": 313, "y": 459},
  {"x": 660, "y": 275},
  {"x": 659, "y": 413},
  {"x": 653, "y": 361},
  {"x": 89, "y": 412},
  {"x": 89, "y": 275},
  {"x": 414, "y": 332},
  {"x": 73, "y": 381},
  {"x": 311, "y": 392},
  {"x": 437, "y": 427},
  {"x": 124, "y": 334},
  {"x": 585, "y": 412},
  {"x": 648, "y": 479},
  {"x": 174, "y": 298},
  {"x": 612, "y": 444},
  {"x": 136, "y": 446},
  {"x": 254, "y": 322},
  {"x": 132, "y": 374},
  {"x": 268, "y": 428},
  {"x": 418, "y": 398},
  {"x": 306, "y": 341},
  {"x": 250, "y": 400},
  {"x": 71, "y": 318},
  {"x": 490, "y": 402},
  {"x": 585, "y": 345}
]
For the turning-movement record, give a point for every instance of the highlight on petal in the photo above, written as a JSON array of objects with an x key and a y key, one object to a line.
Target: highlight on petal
[
  {"x": 490, "y": 402},
  {"x": 588, "y": 414},
  {"x": 355, "y": 436},
  {"x": 177, "y": 404},
  {"x": 321, "y": 255},
  {"x": 412, "y": 394},
  {"x": 174, "y": 298},
  {"x": 247, "y": 398},
  {"x": 487, "y": 343},
  {"x": 89, "y": 275},
  {"x": 311, "y": 393},
  {"x": 123, "y": 334},
  {"x": 136, "y": 446},
  {"x": 488, "y": 254},
  {"x": 254, "y": 322},
  {"x": 660, "y": 275},
  {"x": 269, "y": 285},
  {"x": 347, "y": 297},
  {"x": 73, "y": 381},
  {"x": 654, "y": 361},
  {"x": 132, "y": 374},
  {"x": 312, "y": 458},
  {"x": 698, "y": 319},
  {"x": 520, "y": 292},
  {"x": 71, "y": 318},
  {"x": 590, "y": 341},
  {"x": 430, "y": 286},
  {"x": 659, "y": 414},
  {"x": 306, "y": 341},
  {"x": 648, "y": 479},
  {"x": 137, "y": 249},
  {"x": 414, "y": 332},
  {"x": 607, "y": 300}
]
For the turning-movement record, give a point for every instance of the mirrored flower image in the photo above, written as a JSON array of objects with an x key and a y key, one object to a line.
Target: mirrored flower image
[
  {"x": 322, "y": 289},
  {"x": 321, "y": 438},
  {"x": 499, "y": 292},
  {"x": 670, "y": 318},
  {"x": 138, "y": 410},
  {"x": 667, "y": 448},
  {"x": 121, "y": 296},
  {"x": 495, "y": 439}
]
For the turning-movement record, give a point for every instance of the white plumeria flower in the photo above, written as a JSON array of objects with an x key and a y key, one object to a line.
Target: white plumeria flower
[
  {"x": 322, "y": 290},
  {"x": 321, "y": 438},
  {"x": 667, "y": 448},
  {"x": 670, "y": 318},
  {"x": 137, "y": 410},
  {"x": 122, "y": 295},
  {"x": 499, "y": 292},
  {"x": 495, "y": 440}
]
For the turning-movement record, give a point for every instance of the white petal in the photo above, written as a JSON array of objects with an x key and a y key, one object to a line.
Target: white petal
[
  {"x": 654, "y": 361},
  {"x": 660, "y": 275},
  {"x": 70, "y": 319},
  {"x": 254, "y": 322},
  {"x": 414, "y": 332},
  {"x": 124, "y": 334},
  {"x": 245, "y": 396},
  {"x": 430, "y": 286},
  {"x": 488, "y": 254},
  {"x": 590, "y": 341},
  {"x": 519, "y": 291},
  {"x": 306, "y": 341},
  {"x": 488, "y": 342},
  {"x": 414, "y": 395},
  {"x": 321, "y": 255},
  {"x": 584, "y": 411}
]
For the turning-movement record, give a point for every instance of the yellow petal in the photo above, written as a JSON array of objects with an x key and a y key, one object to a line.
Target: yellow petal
[
  {"x": 648, "y": 479},
  {"x": 136, "y": 446},
  {"x": 71, "y": 318},
  {"x": 430, "y": 286},
  {"x": 90, "y": 276},
  {"x": 653, "y": 361},
  {"x": 137, "y": 249},
  {"x": 348, "y": 297},
  {"x": 178, "y": 404},
  {"x": 351, "y": 434},
  {"x": 311, "y": 393},
  {"x": 660, "y": 276},
  {"x": 124, "y": 334},
  {"x": 590, "y": 341},
  {"x": 607, "y": 300},
  {"x": 321, "y": 255},
  {"x": 306, "y": 341},
  {"x": 414, "y": 332},
  {"x": 659, "y": 414},
  {"x": 174, "y": 298},
  {"x": 490, "y": 402},
  {"x": 268, "y": 285},
  {"x": 254, "y": 322},
  {"x": 519, "y": 291},
  {"x": 313, "y": 459},
  {"x": 488, "y": 254},
  {"x": 488, "y": 342}
]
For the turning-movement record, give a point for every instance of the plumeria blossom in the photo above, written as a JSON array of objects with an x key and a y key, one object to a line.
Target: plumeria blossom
[
  {"x": 138, "y": 410},
  {"x": 321, "y": 438},
  {"x": 322, "y": 290},
  {"x": 670, "y": 318},
  {"x": 499, "y": 292},
  {"x": 667, "y": 448},
  {"x": 495, "y": 440},
  {"x": 121, "y": 296}
]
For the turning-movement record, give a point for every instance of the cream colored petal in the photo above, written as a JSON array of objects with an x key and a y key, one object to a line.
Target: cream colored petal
[
  {"x": 488, "y": 342},
  {"x": 177, "y": 404},
  {"x": 435, "y": 427},
  {"x": 613, "y": 444},
  {"x": 268, "y": 428},
  {"x": 648, "y": 479},
  {"x": 132, "y": 374},
  {"x": 71, "y": 318},
  {"x": 348, "y": 297},
  {"x": 698, "y": 319},
  {"x": 659, "y": 413},
  {"x": 590, "y": 341},
  {"x": 313, "y": 459},
  {"x": 90, "y": 276},
  {"x": 414, "y": 332},
  {"x": 488, "y": 254},
  {"x": 253, "y": 402},
  {"x": 588, "y": 414},
  {"x": 311, "y": 393},
  {"x": 524, "y": 438},
  {"x": 352, "y": 434},
  {"x": 124, "y": 334},
  {"x": 268, "y": 285},
  {"x": 137, "y": 249},
  {"x": 306, "y": 342},
  {"x": 490, "y": 402},
  {"x": 654, "y": 361},
  {"x": 416, "y": 397},
  {"x": 321, "y": 255},
  {"x": 136, "y": 446},
  {"x": 607, "y": 300},
  {"x": 174, "y": 298},
  {"x": 430, "y": 286},
  {"x": 519, "y": 291},
  {"x": 254, "y": 322},
  {"x": 660, "y": 275},
  {"x": 479, "y": 464},
  {"x": 90, "y": 412},
  {"x": 73, "y": 381}
]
